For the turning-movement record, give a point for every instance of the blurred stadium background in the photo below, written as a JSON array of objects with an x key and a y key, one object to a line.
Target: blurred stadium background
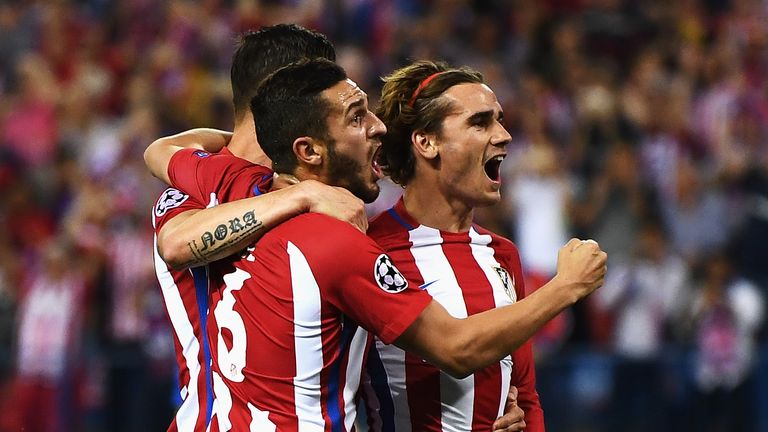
[{"x": 641, "y": 124}]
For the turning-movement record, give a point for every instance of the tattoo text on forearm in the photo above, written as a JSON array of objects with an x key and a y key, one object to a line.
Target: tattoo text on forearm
[{"x": 224, "y": 236}]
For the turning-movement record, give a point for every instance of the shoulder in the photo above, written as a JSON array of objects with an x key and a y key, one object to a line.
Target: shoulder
[
  {"x": 384, "y": 228},
  {"x": 223, "y": 159},
  {"x": 322, "y": 229},
  {"x": 498, "y": 243}
]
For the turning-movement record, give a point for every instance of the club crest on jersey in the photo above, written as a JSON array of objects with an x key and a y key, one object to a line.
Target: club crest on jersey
[
  {"x": 387, "y": 276},
  {"x": 171, "y": 198},
  {"x": 507, "y": 281}
]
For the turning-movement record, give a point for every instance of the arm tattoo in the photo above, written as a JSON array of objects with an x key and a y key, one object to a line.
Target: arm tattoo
[{"x": 225, "y": 235}]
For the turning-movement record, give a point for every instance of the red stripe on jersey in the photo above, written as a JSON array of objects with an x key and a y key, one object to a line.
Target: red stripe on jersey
[
  {"x": 423, "y": 385},
  {"x": 479, "y": 299}
]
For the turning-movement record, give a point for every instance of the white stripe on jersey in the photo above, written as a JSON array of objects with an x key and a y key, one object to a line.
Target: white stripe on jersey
[
  {"x": 223, "y": 402},
  {"x": 484, "y": 257},
  {"x": 457, "y": 396},
  {"x": 393, "y": 360},
  {"x": 186, "y": 416},
  {"x": 436, "y": 270},
  {"x": 354, "y": 370},
  {"x": 308, "y": 342},
  {"x": 260, "y": 420}
]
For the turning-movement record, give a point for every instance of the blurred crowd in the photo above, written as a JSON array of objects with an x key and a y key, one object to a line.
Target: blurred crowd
[{"x": 641, "y": 124}]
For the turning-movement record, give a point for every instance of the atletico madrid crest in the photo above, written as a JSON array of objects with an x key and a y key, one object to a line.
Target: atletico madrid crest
[
  {"x": 507, "y": 281},
  {"x": 387, "y": 276}
]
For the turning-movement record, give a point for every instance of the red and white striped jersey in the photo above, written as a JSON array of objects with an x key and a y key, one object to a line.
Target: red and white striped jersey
[
  {"x": 287, "y": 320},
  {"x": 467, "y": 273},
  {"x": 290, "y": 335},
  {"x": 186, "y": 292}
]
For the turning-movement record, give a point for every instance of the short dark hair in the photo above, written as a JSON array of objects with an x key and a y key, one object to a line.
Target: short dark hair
[
  {"x": 404, "y": 110},
  {"x": 259, "y": 53},
  {"x": 289, "y": 105}
]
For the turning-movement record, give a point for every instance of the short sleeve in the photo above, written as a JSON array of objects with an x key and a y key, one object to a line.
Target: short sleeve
[
  {"x": 377, "y": 295},
  {"x": 217, "y": 177},
  {"x": 364, "y": 283},
  {"x": 183, "y": 169},
  {"x": 172, "y": 202}
]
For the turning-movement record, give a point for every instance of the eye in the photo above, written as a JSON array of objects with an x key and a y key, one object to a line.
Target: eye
[{"x": 357, "y": 119}]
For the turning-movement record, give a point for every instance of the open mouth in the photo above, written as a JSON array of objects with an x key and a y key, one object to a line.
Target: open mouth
[
  {"x": 377, "y": 163},
  {"x": 493, "y": 168}
]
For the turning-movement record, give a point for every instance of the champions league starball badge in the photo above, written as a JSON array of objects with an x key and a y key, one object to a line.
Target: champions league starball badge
[
  {"x": 171, "y": 198},
  {"x": 387, "y": 276}
]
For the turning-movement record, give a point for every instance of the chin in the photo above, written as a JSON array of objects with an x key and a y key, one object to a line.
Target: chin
[
  {"x": 488, "y": 200},
  {"x": 371, "y": 195}
]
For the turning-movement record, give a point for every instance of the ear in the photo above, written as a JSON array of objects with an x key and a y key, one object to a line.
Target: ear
[
  {"x": 308, "y": 151},
  {"x": 425, "y": 144}
]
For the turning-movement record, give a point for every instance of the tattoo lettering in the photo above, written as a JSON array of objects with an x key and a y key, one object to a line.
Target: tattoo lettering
[
  {"x": 221, "y": 232},
  {"x": 239, "y": 230},
  {"x": 207, "y": 239},
  {"x": 235, "y": 225},
  {"x": 250, "y": 219}
]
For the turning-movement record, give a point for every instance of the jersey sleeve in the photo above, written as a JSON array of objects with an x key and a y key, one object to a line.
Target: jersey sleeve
[
  {"x": 183, "y": 169},
  {"x": 171, "y": 203},
  {"x": 367, "y": 285},
  {"x": 212, "y": 178}
]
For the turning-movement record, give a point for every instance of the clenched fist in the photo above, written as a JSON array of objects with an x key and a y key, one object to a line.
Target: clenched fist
[{"x": 581, "y": 265}]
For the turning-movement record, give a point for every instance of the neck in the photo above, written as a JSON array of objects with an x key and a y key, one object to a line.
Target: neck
[
  {"x": 245, "y": 145},
  {"x": 300, "y": 174},
  {"x": 425, "y": 201}
]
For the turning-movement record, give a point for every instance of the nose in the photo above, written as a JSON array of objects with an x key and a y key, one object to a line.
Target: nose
[
  {"x": 500, "y": 135},
  {"x": 376, "y": 127}
]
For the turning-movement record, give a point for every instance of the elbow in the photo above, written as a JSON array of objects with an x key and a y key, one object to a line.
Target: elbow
[
  {"x": 459, "y": 372},
  {"x": 149, "y": 152},
  {"x": 172, "y": 251},
  {"x": 461, "y": 360}
]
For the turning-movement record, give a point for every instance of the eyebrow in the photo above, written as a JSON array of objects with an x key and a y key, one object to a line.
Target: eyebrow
[
  {"x": 484, "y": 117},
  {"x": 354, "y": 105}
]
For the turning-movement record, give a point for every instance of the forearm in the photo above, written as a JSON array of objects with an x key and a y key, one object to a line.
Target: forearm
[
  {"x": 463, "y": 346},
  {"x": 491, "y": 335},
  {"x": 217, "y": 232}
]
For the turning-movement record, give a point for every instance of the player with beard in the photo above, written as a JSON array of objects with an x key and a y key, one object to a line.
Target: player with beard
[
  {"x": 231, "y": 226},
  {"x": 189, "y": 235},
  {"x": 288, "y": 343}
]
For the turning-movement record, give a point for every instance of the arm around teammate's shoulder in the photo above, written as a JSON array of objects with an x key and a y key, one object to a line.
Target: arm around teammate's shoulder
[{"x": 158, "y": 154}]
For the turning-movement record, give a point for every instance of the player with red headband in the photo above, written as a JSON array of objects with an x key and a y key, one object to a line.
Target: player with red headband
[
  {"x": 444, "y": 145},
  {"x": 304, "y": 254}
]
